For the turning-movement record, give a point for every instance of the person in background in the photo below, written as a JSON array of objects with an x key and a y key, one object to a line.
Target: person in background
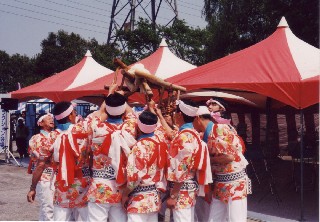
[
  {"x": 22, "y": 133},
  {"x": 41, "y": 167}
]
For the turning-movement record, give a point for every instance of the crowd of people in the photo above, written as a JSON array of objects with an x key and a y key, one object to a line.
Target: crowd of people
[{"x": 115, "y": 165}]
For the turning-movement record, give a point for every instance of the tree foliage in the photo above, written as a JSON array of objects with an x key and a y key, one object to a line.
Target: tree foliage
[
  {"x": 59, "y": 52},
  {"x": 15, "y": 69},
  {"x": 237, "y": 24},
  {"x": 186, "y": 42}
]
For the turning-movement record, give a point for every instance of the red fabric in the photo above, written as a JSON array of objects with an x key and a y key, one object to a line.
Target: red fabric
[
  {"x": 70, "y": 161},
  {"x": 197, "y": 158},
  {"x": 266, "y": 68},
  {"x": 48, "y": 88},
  {"x": 159, "y": 154},
  {"x": 105, "y": 146},
  {"x": 121, "y": 174}
]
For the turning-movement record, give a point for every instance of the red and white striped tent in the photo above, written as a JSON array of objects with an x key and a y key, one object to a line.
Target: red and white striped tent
[
  {"x": 162, "y": 63},
  {"x": 282, "y": 67},
  {"x": 56, "y": 87}
]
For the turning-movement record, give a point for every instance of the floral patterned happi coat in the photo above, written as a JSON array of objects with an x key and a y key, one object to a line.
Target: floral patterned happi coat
[
  {"x": 73, "y": 194},
  {"x": 103, "y": 190},
  {"x": 162, "y": 135},
  {"x": 145, "y": 167},
  {"x": 40, "y": 149},
  {"x": 224, "y": 140},
  {"x": 181, "y": 157}
]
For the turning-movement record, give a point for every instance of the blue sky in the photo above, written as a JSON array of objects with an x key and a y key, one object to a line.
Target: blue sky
[{"x": 25, "y": 23}]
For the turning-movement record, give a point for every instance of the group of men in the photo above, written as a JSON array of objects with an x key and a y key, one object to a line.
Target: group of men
[{"x": 116, "y": 165}]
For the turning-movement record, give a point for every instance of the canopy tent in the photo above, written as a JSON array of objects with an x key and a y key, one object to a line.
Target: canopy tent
[
  {"x": 56, "y": 87},
  {"x": 162, "y": 63},
  {"x": 282, "y": 67}
]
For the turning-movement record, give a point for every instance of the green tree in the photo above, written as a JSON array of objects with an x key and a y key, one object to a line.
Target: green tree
[
  {"x": 59, "y": 52},
  {"x": 186, "y": 42},
  {"x": 5, "y": 78},
  {"x": 237, "y": 24},
  {"x": 15, "y": 69}
]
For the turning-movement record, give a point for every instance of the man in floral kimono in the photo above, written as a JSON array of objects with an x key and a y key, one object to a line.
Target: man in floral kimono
[
  {"x": 145, "y": 172},
  {"x": 188, "y": 164},
  {"x": 229, "y": 197},
  {"x": 110, "y": 146},
  {"x": 41, "y": 166},
  {"x": 71, "y": 157}
]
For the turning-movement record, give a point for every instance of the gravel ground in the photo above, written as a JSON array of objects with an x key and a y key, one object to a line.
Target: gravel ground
[{"x": 14, "y": 185}]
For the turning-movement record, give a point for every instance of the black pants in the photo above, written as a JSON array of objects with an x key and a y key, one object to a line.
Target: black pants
[{"x": 22, "y": 147}]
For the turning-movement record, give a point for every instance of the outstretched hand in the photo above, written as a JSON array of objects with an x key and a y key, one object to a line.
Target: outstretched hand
[
  {"x": 112, "y": 88},
  {"x": 151, "y": 106},
  {"x": 31, "y": 195}
]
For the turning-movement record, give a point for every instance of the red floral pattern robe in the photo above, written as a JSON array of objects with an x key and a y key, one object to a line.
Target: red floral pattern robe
[
  {"x": 181, "y": 157},
  {"x": 73, "y": 195},
  {"x": 104, "y": 190},
  {"x": 162, "y": 135},
  {"x": 39, "y": 147},
  {"x": 144, "y": 168},
  {"x": 223, "y": 139}
]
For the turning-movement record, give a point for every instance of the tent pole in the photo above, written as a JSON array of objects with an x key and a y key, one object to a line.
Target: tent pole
[
  {"x": 301, "y": 167},
  {"x": 268, "y": 105}
]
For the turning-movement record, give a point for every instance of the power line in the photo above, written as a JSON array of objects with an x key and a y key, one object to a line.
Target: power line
[
  {"x": 182, "y": 12},
  {"x": 57, "y": 23},
  {"x": 89, "y": 6},
  {"x": 102, "y": 2},
  {"x": 80, "y": 9},
  {"x": 60, "y": 11},
  {"x": 75, "y": 8},
  {"x": 54, "y": 16},
  {"x": 191, "y": 4}
]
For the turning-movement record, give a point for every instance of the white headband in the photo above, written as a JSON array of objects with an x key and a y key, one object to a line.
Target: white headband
[
  {"x": 42, "y": 117},
  {"x": 217, "y": 102},
  {"x": 187, "y": 109},
  {"x": 146, "y": 128},
  {"x": 65, "y": 113},
  {"x": 202, "y": 111},
  {"x": 116, "y": 111}
]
